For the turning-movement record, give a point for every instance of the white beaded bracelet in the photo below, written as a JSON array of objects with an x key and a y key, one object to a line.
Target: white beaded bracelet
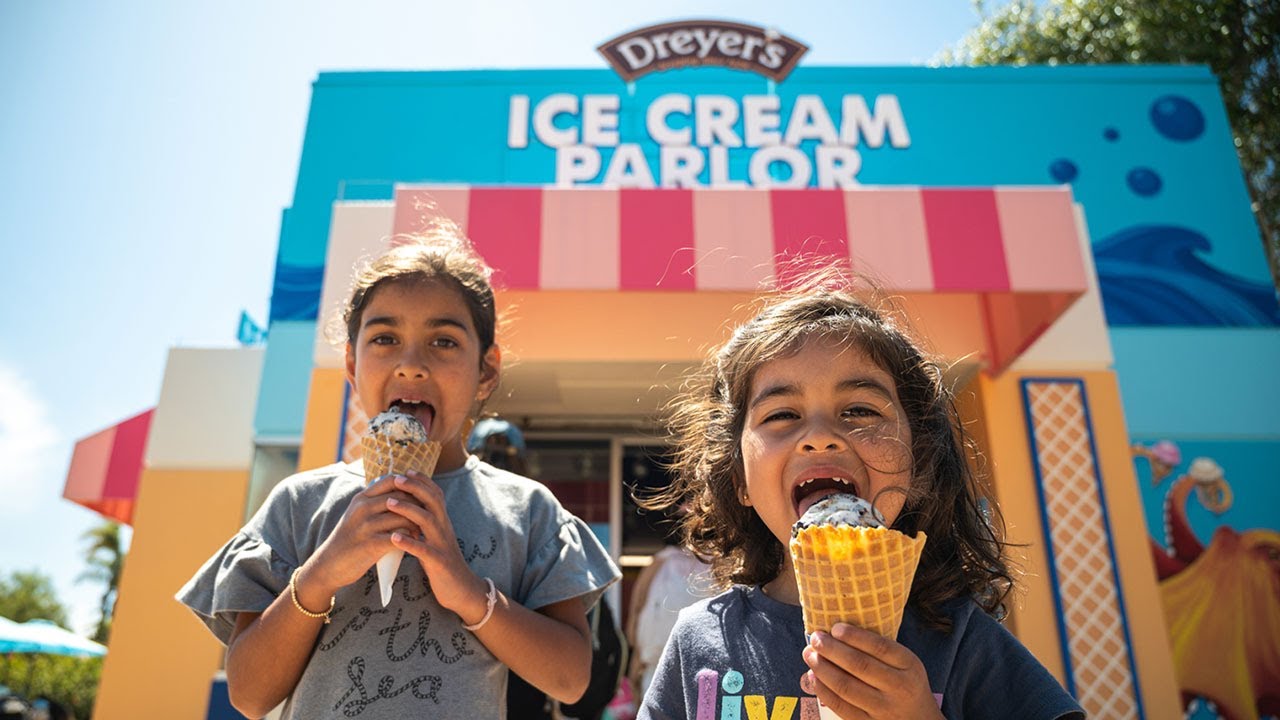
[{"x": 491, "y": 599}]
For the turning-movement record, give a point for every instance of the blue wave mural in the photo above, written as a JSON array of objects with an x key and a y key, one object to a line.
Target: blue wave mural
[
  {"x": 1154, "y": 275},
  {"x": 296, "y": 293}
]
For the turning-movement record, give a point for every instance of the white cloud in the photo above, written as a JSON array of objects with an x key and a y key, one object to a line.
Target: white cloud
[{"x": 28, "y": 441}]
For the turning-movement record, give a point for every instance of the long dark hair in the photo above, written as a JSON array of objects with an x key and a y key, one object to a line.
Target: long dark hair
[{"x": 964, "y": 553}]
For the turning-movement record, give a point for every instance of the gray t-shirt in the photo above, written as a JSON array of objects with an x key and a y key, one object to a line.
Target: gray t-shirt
[
  {"x": 738, "y": 655},
  {"x": 412, "y": 658}
]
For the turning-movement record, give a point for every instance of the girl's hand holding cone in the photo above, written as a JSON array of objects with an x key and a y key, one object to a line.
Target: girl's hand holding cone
[
  {"x": 362, "y": 535},
  {"x": 435, "y": 545},
  {"x": 861, "y": 674}
]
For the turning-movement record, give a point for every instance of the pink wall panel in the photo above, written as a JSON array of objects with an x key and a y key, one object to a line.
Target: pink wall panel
[
  {"x": 416, "y": 207},
  {"x": 809, "y": 222},
  {"x": 89, "y": 463},
  {"x": 733, "y": 234},
  {"x": 887, "y": 237},
  {"x": 579, "y": 248},
  {"x": 127, "y": 452},
  {"x": 1040, "y": 242},
  {"x": 505, "y": 225},
  {"x": 657, "y": 248},
  {"x": 966, "y": 249}
]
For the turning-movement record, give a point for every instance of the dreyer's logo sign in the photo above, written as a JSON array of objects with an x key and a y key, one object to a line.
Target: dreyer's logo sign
[{"x": 703, "y": 42}]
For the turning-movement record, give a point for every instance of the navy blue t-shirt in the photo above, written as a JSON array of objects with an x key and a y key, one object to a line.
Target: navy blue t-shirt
[{"x": 740, "y": 653}]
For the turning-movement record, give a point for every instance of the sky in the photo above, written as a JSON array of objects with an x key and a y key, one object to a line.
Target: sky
[{"x": 148, "y": 148}]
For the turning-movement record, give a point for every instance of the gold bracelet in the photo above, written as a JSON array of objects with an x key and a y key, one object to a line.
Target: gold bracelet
[{"x": 293, "y": 593}]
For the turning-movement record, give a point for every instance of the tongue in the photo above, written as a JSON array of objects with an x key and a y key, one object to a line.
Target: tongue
[
  {"x": 810, "y": 500},
  {"x": 422, "y": 413}
]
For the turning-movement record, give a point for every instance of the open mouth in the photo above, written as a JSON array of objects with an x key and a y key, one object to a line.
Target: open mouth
[
  {"x": 425, "y": 412},
  {"x": 814, "y": 489}
]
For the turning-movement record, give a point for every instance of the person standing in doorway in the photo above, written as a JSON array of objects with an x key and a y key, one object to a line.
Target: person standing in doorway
[{"x": 674, "y": 580}]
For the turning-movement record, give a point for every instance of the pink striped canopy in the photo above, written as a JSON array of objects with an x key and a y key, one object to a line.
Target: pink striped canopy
[
  {"x": 106, "y": 466},
  {"x": 1018, "y": 249}
]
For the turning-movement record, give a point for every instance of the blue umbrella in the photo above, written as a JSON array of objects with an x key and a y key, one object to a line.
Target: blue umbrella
[
  {"x": 45, "y": 637},
  {"x": 14, "y": 639}
]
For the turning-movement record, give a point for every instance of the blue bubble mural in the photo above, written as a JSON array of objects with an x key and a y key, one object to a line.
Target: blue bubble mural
[
  {"x": 1063, "y": 170},
  {"x": 1144, "y": 181},
  {"x": 1161, "y": 274},
  {"x": 1177, "y": 118}
]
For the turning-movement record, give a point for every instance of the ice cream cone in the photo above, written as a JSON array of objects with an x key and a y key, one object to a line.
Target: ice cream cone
[
  {"x": 385, "y": 457},
  {"x": 857, "y": 575}
]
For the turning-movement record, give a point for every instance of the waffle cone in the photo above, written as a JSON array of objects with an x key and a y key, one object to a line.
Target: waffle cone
[
  {"x": 384, "y": 457},
  {"x": 857, "y": 575}
]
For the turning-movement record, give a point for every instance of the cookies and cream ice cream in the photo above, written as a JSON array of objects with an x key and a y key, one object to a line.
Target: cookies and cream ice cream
[
  {"x": 839, "y": 509},
  {"x": 397, "y": 426}
]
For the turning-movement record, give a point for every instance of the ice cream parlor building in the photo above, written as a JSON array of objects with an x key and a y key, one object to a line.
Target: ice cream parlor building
[{"x": 1076, "y": 241}]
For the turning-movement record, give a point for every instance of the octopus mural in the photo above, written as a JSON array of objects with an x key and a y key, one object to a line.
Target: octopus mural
[{"x": 1221, "y": 603}]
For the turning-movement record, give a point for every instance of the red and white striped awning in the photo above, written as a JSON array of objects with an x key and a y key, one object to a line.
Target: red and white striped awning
[
  {"x": 106, "y": 466},
  {"x": 1018, "y": 248}
]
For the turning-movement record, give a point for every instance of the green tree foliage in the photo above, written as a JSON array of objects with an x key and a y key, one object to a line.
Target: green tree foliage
[
  {"x": 29, "y": 596},
  {"x": 105, "y": 559},
  {"x": 71, "y": 681},
  {"x": 1238, "y": 39}
]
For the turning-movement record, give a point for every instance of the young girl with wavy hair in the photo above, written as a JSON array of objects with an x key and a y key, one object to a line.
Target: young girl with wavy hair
[{"x": 819, "y": 393}]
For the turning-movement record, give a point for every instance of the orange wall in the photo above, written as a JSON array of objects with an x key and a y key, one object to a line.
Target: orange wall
[
  {"x": 162, "y": 658},
  {"x": 323, "y": 420},
  {"x": 612, "y": 326},
  {"x": 637, "y": 326},
  {"x": 998, "y": 402},
  {"x": 1003, "y": 438}
]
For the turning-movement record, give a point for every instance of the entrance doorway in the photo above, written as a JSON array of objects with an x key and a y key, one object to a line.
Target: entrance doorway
[{"x": 596, "y": 477}]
